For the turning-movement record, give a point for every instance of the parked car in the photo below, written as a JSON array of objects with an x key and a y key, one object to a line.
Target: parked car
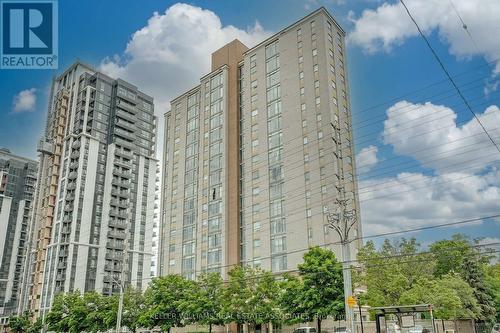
[
  {"x": 496, "y": 328},
  {"x": 305, "y": 330}
]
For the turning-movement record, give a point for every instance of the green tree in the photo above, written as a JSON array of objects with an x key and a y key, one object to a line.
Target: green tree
[
  {"x": 251, "y": 296},
  {"x": 493, "y": 285},
  {"x": 64, "y": 315},
  {"x": 320, "y": 292},
  {"x": 204, "y": 302},
  {"x": 94, "y": 308},
  {"x": 19, "y": 324},
  {"x": 450, "y": 295},
  {"x": 162, "y": 299},
  {"x": 290, "y": 301},
  {"x": 391, "y": 271},
  {"x": 36, "y": 326},
  {"x": 450, "y": 253},
  {"x": 473, "y": 272},
  {"x": 236, "y": 293},
  {"x": 459, "y": 254},
  {"x": 133, "y": 308}
]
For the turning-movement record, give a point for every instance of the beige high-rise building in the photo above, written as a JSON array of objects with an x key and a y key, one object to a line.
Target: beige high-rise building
[{"x": 257, "y": 154}]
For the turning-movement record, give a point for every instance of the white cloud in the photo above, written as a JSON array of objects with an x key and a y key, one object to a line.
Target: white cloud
[
  {"x": 412, "y": 200},
  {"x": 463, "y": 185},
  {"x": 172, "y": 51},
  {"x": 388, "y": 25},
  {"x": 430, "y": 134},
  {"x": 24, "y": 101},
  {"x": 366, "y": 159}
]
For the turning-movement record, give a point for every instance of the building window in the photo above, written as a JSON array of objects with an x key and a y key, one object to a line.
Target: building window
[{"x": 279, "y": 263}]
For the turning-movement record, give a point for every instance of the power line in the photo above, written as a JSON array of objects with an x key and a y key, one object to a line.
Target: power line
[
  {"x": 395, "y": 256},
  {"x": 435, "y": 226},
  {"x": 449, "y": 76},
  {"x": 377, "y": 235},
  {"x": 423, "y": 88},
  {"x": 465, "y": 27}
]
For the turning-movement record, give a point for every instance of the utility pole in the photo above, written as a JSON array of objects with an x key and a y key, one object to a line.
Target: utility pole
[
  {"x": 121, "y": 284},
  {"x": 342, "y": 222}
]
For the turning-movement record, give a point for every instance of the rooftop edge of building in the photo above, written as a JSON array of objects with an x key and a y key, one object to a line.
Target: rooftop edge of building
[
  {"x": 265, "y": 41},
  {"x": 5, "y": 152},
  {"x": 95, "y": 71},
  {"x": 296, "y": 23}
]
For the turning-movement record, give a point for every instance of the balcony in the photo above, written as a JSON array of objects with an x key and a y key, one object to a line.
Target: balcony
[
  {"x": 61, "y": 265},
  {"x": 76, "y": 144},
  {"x": 117, "y": 182},
  {"x": 113, "y": 267},
  {"x": 124, "y": 134},
  {"x": 117, "y": 224},
  {"x": 116, "y": 246},
  {"x": 126, "y": 106},
  {"x": 60, "y": 277},
  {"x": 123, "y": 174},
  {"x": 72, "y": 175},
  {"x": 71, "y": 186},
  {"x": 75, "y": 154},
  {"x": 66, "y": 230},
  {"x": 123, "y": 153},
  {"x": 70, "y": 197},
  {"x": 125, "y": 124},
  {"x": 123, "y": 143},
  {"x": 121, "y": 163},
  {"x": 121, "y": 194},
  {"x": 68, "y": 208},
  {"x": 117, "y": 213},
  {"x": 117, "y": 234},
  {"x": 119, "y": 203},
  {"x": 125, "y": 115},
  {"x": 73, "y": 165}
]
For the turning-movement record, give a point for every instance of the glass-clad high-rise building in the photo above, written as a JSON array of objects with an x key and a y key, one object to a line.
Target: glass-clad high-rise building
[
  {"x": 17, "y": 187},
  {"x": 95, "y": 197}
]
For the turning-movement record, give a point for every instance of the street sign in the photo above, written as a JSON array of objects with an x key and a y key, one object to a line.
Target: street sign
[{"x": 351, "y": 301}]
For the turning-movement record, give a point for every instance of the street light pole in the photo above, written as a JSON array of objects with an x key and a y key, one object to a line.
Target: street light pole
[
  {"x": 121, "y": 284},
  {"x": 120, "y": 309}
]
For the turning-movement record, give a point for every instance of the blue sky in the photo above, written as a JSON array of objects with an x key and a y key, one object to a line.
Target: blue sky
[{"x": 400, "y": 186}]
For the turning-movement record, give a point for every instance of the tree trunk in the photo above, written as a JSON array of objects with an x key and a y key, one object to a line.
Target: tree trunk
[
  {"x": 210, "y": 328},
  {"x": 319, "y": 324}
]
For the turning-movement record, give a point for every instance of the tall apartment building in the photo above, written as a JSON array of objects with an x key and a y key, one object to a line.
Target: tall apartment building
[
  {"x": 95, "y": 196},
  {"x": 257, "y": 154},
  {"x": 17, "y": 188}
]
